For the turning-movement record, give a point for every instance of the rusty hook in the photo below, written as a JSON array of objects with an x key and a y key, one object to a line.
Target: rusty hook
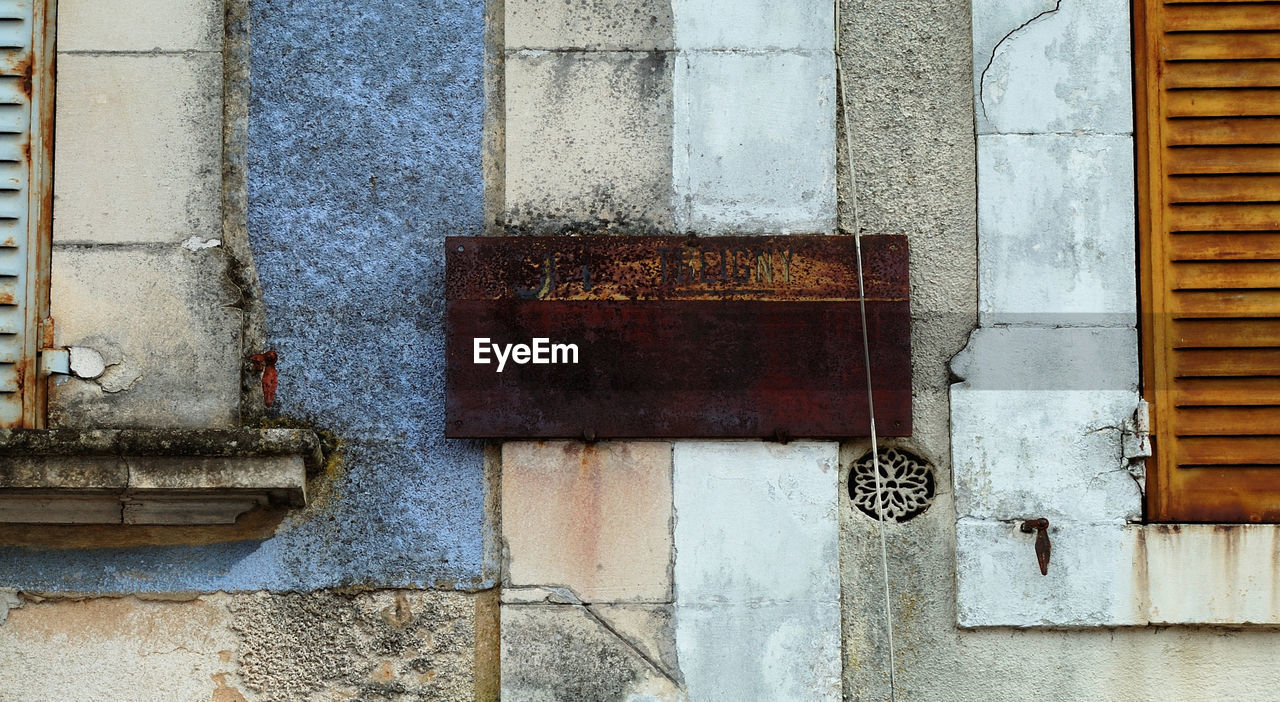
[
  {"x": 1043, "y": 547},
  {"x": 265, "y": 363}
]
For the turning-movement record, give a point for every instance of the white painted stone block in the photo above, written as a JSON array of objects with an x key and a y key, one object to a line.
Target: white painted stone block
[
  {"x": 787, "y": 652},
  {"x": 1056, "y": 230},
  {"x": 1053, "y": 70},
  {"x": 753, "y": 24},
  {"x": 1090, "y": 580},
  {"x": 1036, "y": 424},
  {"x": 1213, "y": 574},
  {"x": 754, "y": 142},
  {"x": 992, "y": 21},
  {"x": 138, "y": 149},
  {"x": 756, "y": 522}
]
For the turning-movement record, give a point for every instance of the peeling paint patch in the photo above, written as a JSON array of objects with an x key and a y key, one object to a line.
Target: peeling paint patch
[
  {"x": 195, "y": 243},
  {"x": 9, "y": 599},
  {"x": 86, "y": 362},
  {"x": 225, "y": 692}
]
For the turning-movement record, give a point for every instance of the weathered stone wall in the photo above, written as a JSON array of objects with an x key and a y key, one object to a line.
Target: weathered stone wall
[
  {"x": 388, "y": 644},
  {"x": 1053, "y": 255},
  {"x": 688, "y": 569},
  {"x": 363, "y": 152},
  {"x": 197, "y": 223}
]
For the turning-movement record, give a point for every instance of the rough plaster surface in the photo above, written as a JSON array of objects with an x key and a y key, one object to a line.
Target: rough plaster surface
[
  {"x": 389, "y": 645},
  {"x": 364, "y": 153},
  {"x": 404, "y": 644},
  {"x": 910, "y": 130},
  {"x": 757, "y": 570}
]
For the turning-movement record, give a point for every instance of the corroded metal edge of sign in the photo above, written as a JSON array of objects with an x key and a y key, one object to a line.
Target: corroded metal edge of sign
[
  {"x": 676, "y": 337},
  {"x": 670, "y": 267}
]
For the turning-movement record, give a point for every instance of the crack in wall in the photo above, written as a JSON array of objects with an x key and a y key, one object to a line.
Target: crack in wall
[
  {"x": 635, "y": 648},
  {"x": 982, "y": 78}
]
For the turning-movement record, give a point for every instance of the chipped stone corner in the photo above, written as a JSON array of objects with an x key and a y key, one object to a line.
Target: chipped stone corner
[{"x": 9, "y": 599}]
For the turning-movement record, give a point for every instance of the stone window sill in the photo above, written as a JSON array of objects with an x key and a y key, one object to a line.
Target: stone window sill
[
  {"x": 148, "y": 476},
  {"x": 1116, "y": 574}
]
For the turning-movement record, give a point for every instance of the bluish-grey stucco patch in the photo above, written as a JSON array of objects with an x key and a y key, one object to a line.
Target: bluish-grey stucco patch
[{"x": 364, "y": 152}]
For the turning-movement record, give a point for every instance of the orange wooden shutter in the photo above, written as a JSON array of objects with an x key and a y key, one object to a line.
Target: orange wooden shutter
[{"x": 1208, "y": 143}]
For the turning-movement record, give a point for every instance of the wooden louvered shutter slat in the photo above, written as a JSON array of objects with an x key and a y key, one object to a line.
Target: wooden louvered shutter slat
[
  {"x": 1222, "y": 132},
  {"x": 1208, "y": 97}
]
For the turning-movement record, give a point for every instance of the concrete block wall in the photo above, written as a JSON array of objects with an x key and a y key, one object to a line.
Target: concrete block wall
[
  {"x": 659, "y": 117},
  {"x": 694, "y": 570},
  {"x": 912, "y": 73},
  {"x": 660, "y": 570}
]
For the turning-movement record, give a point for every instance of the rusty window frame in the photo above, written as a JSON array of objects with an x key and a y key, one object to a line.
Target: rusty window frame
[{"x": 27, "y": 55}]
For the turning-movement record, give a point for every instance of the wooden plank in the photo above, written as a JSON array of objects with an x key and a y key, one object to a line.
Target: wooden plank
[
  {"x": 1228, "y": 451},
  {"x": 1195, "y": 363},
  {"x": 1221, "y": 16},
  {"x": 1227, "y": 392},
  {"x": 1222, "y": 45},
  {"x": 1219, "y": 495},
  {"x": 1172, "y": 3},
  {"x": 1223, "y": 102},
  {"x": 1224, "y": 188},
  {"x": 1225, "y": 303},
  {"x": 1223, "y": 131},
  {"x": 1216, "y": 217},
  {"x": 1228, "y": 421},
  {"x": 1225, "y": 333},
  {"x": 1222, "y": 74},
  {"x": 1222, "y": 159}
]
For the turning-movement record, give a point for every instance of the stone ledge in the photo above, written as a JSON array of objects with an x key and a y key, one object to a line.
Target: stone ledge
[
  {"x": 1118, "y": 574},
  {"x": 140, "y": 476}
]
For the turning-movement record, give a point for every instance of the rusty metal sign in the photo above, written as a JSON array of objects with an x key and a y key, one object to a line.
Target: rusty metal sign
[{"x": 675, "y": 337}]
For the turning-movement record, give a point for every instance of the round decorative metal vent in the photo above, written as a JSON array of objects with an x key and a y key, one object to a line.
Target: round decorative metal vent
[{"x": 906, "y": 481}]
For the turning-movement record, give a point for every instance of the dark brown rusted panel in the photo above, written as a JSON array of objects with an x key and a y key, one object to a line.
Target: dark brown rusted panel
[{"x": 725, "y": 337}]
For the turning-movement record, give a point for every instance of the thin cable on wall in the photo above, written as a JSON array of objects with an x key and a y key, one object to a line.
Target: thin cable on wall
[{"x": 866, "y": 355}]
